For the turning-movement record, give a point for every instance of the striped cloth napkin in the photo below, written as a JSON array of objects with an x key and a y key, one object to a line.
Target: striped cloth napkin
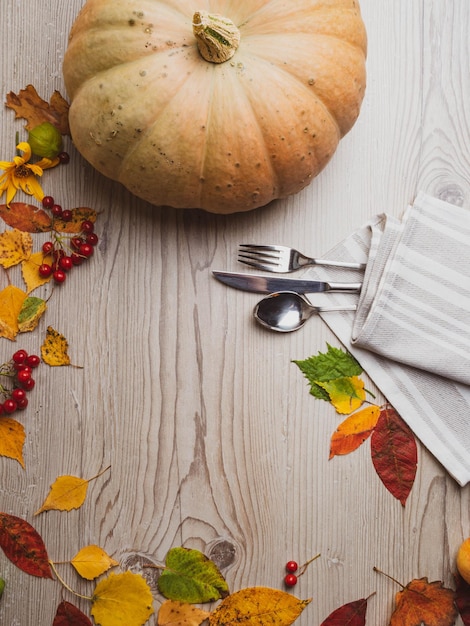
[{"x": 411, "y": 331}]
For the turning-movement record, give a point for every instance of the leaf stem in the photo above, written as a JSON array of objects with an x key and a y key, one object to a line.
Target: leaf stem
[
  {"x": 64, "y": 584},
  {"x": 100, "y": 474},
  {"x": 376, "y": 569}
]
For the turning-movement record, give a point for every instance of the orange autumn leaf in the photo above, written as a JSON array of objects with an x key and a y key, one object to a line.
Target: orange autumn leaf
[
  {"x": 67, "y": 493},
  {"x": 122, "y": 599},
  {"x": 29, "y": 105},
  {"x": 175, "y": 613},
  {"x": 11, "y": 302},
  {"x": 25, "y": 217},
  {"x": 15, "y": 246},
  {"x": 346, "y": 393},
  {"x": 258, "y": 606},
  {"x": 355, "y": 429},
  {"x": 74, "y": 225},
  {"x": 12, "y": 438},
  {"x": 422, "y": 602},
  {"x": 92, "y": 561},
  {"x": 30, "y": 271},
  {"x": 54, "y": 349}
]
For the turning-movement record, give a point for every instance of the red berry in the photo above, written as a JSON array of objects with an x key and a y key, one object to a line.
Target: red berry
[
  {"x": 64, "y": 158},
  {"x": 292, "y": 566},
  {"x": 18, "y": 394},
  {"x": 58, "y": 254},
  {"x": 27, "y": 385},
  {"x": 86, "y": 250},
  {"x": 22, "y": 404},
  {"x": 67, "y": 215},
  {"x": 33, "y": 360},
  {"x": 65, "y": 263},
  {"x": 9, "y": 406},
  {"x": 47, "y": 247},
  {"x": 45, "y": 270},
  {"x": 76, "y": 258},
  {"x": 20, "y": 357},
  {"x": 59, "y": 276},
  {"x": 76, "y": 242},
  {"x": 92, "y": 239},
  {"x": 290, "y": 580},
  {"x": 24, "y": 374},
  {"x": 88, "y": 226},
  {"x": 56, "y": 210},
  {"x": 47, "y": 202}
]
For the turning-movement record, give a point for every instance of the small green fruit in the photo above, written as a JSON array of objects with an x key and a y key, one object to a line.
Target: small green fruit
[
  {"x": 2, "y": 586},
  {"x": 45, "y": 140}
]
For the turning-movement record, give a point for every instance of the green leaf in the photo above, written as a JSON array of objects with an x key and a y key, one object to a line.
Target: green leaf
[
  {"x": 30, "y": 313},
  {"x": 191, "y": 577},
  {"x": 324, "y": 367}
]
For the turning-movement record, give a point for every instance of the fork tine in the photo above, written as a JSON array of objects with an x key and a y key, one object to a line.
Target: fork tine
[
  {"x": 257, "y": 264},
  {"x": 250, "y": 246}
]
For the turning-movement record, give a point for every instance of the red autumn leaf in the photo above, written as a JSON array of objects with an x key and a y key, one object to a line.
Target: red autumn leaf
[
  {"x": 422, "y": 602},
  {"x": 462, "y": 599},
  {"x": 394, "y": 454},
  {"x": 26, "y": 217},
  {"x": 68, "y": 615},
  {"x": 24, "y": 546},
  {"x": 351, "y": 614}
]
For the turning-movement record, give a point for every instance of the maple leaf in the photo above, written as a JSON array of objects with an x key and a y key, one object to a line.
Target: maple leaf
[
  {"x": 30, "y": 314},
  {"x": 11, "y": 302},
  {"x": 355, "y": 429},
  {"x": 67, "y": 493},
  {"x": 29, "y": 105},
  {"x": 258, "y": 606},
  {"x": 174, "y": 613},
  {"x": 15, "y": 246},
  {"x": 351, "y": 614},
  {"x": 394, "y": 454},
  {"x": 54, "y": 349},
  {"x": 346, "y": 394},
  {"x": 26, "y": 217},
  {"x": 92, "y": 561},
  {"x": 12, "y": 438},
  {"x": 422, "y": 602},
  {"x": 323, "y": 367},
  {"x": 68, "y": 615},
  {"x": 23, "y": 545},
  {"x": 122, "y": 599},
  {"x": 189, "y": 576}
]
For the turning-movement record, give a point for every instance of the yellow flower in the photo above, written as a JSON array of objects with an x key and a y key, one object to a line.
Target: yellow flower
[{"x": 19, "y": 174}]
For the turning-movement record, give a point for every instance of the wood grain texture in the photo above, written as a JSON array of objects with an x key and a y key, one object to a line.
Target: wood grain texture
[{"x": 213, "y": 439}]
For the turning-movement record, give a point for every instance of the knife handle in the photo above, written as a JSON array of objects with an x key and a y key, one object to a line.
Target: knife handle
[{"x": 344, "y": 287}]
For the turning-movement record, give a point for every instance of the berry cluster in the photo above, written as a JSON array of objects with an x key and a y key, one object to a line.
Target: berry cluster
[
  {"x": 294, "y": 572},
  {"x": 67, "y": 252},
  {"x": 19, "y": 370}
]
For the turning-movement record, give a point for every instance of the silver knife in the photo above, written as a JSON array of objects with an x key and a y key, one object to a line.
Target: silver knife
[{"x": 268, "y": 284}]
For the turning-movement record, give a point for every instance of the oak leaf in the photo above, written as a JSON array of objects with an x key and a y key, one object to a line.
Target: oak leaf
[
  {"x": 11, "y": 302},
  {"x": 394, "y": 454},
  {"x": 54, "y": 349},
  {"x": 355, "y": 429},
  {"x": 69, "y": 615},
  {"x": 23, "y": 545},
  {"x": 92, "y": 561},
  {"x": 15, "y": 246},
  {"x": 30, "y": 271},
  {"x": 74, "y": 224},
  {"x": 12, "y": 438},
  {"x": 346, "y": 394},
  {"x": 189, "y": 576},
  {"x": 122, "y": 599},
  {"x": 31, "y": 311},
  {"x": 26, "y": 217},
  {"x": 174, "y": 613},
  {"x": 422, "y": 602},
  {"x": 258, "y": 606},
  {"x": 29, "y": 105},
  {"x": 351, "y": 614}
]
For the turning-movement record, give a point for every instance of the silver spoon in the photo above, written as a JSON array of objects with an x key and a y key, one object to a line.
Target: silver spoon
[{"x": 286, "y": 311}]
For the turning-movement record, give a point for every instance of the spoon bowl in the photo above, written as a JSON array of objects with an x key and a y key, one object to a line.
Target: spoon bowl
[{"x": 286, "y": 311}]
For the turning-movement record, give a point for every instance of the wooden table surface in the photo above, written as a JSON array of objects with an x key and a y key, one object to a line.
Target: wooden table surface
[{"x": 212, "y": 436}]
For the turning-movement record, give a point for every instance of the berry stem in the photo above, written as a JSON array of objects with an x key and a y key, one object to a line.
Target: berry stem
[{"x": 305, "y": 565}]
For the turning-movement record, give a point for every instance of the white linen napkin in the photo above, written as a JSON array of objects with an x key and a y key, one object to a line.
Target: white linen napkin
[{"x": 411, "y": 332}]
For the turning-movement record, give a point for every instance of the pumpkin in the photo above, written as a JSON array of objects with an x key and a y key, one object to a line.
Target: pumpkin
[{"x": 223, "y": 105}]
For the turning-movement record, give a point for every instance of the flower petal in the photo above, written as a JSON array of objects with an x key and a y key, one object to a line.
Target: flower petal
[{"x": 26, "y": 149}]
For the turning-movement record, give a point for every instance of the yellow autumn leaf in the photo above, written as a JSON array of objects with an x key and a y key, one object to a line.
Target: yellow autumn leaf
[
  {"x": 11, "y": 301},
  {"x": 175, "y": 613},
  {"x": 92, "y": 561},
  {"x": 355, "y": 429},
  {"x": 346, "y": 394},
  {"x": 30, "y": 271},
  {"x": 257, "y": 606},
  {"x": 15, "y": 246},
  {"x": 122, "y": 600},
  {"x": 12, "y": 438},
  {"x": 54, "y": 349}
]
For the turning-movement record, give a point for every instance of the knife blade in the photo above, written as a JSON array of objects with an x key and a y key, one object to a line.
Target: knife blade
[{"x": 268, "y": 284}]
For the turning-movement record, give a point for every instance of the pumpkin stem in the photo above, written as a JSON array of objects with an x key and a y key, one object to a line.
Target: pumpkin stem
[{"x": 217, "y": 37}]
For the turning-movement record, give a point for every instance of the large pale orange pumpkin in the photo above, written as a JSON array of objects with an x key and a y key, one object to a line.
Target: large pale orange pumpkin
[{"x": 222, "y": 105}]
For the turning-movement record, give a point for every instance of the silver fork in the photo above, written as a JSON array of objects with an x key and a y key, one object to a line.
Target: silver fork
[{"x": 283, "y": 259}]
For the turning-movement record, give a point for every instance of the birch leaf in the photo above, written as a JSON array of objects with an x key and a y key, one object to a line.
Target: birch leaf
[
  {"x": 54, "y": 349},
  {"x": 258, "y": 606},
  {"x": 174, "y": 613},
  {"x": 30, "y": 314},
  {"x": 11, "y": 302},
  {"x": 122, "y": 600},
  {"x": 92, "y": 561},
  {"x": 30, "y": 270},
  {"x": 15, "y": 246},
  {"x": 12, "y": 438},
  {"x": 74, "y": 225},
  {"x": 346, "y": 393},
  {"x": 355, "y": 429}
]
